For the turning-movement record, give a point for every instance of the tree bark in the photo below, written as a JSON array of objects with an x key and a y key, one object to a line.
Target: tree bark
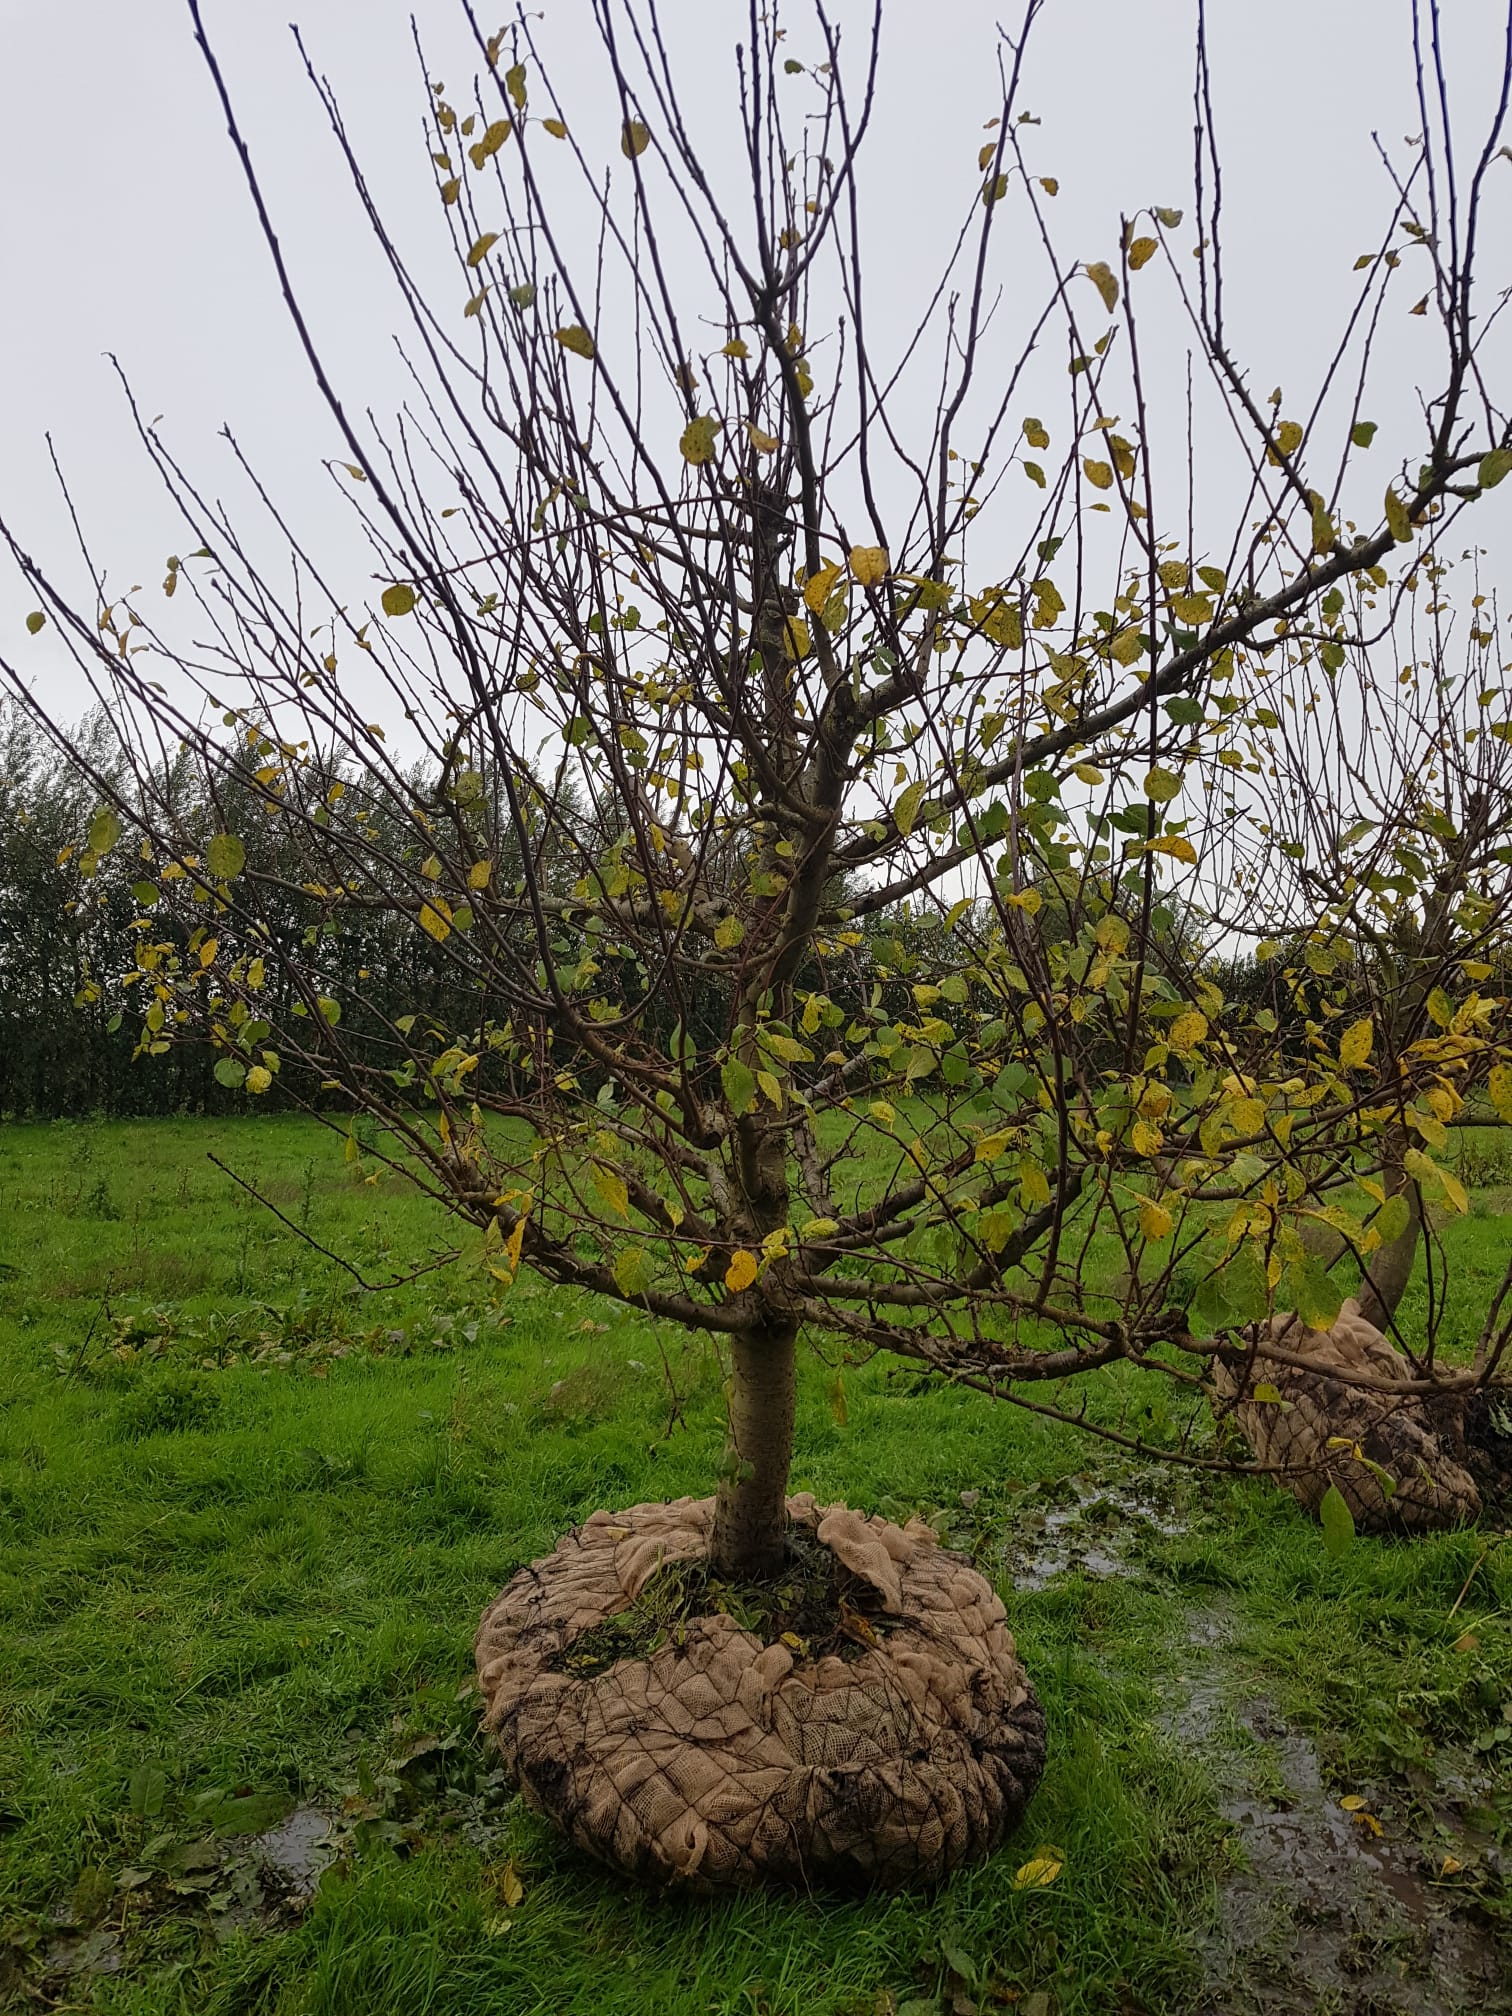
[
  {"x": 1386, "y": 1272},
  {"x": 750, "y": 1521}
]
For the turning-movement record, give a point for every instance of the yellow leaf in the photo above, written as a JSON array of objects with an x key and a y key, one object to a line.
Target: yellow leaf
[
  {"x": 1147, "y": 1140},
  {"x": 868, "y": 565},
  {"x": 1188, "y": 1030},
  {"x": 990, "y": 1147},
  {"x": 1049, "y": 184},
  {"x": 1042, "y": 1868},
  {"x": 1353, "y": 1802},
  {"x": 208, "y": 951},
  {"x": 511, "y": 1889},
  {"x": 1154, "y": 1220},
  {"x": 435, "y": 918},
  {"x": 1027, "y": 900},
  {"x": 1101, "y": 276},
  {"x": 1173, "y": 844},
  {"x": 1499, "y": 1086},
  {"x": 635, "y": 137},
  {"x": 475, "y": 304},
  {"x": 576, "y": 339},
  {"x": 797, "y": 638},
  {"x": 1141, "y": 252},
  {"x": 398, "y": 599},
  {"x": 514, "y": 83},
  {"x": 1191, "y": 608},
  {"x": 493, "y": 139},
  {"x": 1173, "y": 574},
  {"x": 741, "y": 1272},
  {"x": 480, "y": 248},
  {"x": 1355, "y": 1044},
  {"x": 1036, "y": 433},
  {"x": 764, "y": 444},
  {"x": 816, "y": 590},
  {"x": 1288, "y": 441},
  {"x": 610, "y": 1186},
  {"x": 555, "y": 128},
  {"x": 1454, "y": 1190},
  {"x": 35, "y": 621},
  {"x": 1099, "y": 474},
  {"x": 478, "y": 874},
  {"x": 698, "y": 439},
  {"x": 735, "y": 348},
  {"x": 1397, "y": 521},
  {"x": 516, "y": 1241},
  {"x": 451, "y": 190},
  {"x": 258, "y": 1079}
]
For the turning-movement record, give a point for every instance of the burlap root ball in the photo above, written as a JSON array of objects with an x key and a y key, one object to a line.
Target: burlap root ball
[
  {"x": 1418, "y": 1444},
  {"x": 718, "y": 1760}
]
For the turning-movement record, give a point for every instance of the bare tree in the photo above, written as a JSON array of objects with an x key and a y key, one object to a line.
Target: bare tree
[{"x": 765, "y": 730}]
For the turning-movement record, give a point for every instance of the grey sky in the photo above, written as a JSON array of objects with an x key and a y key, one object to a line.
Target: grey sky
[{"x": 125, "y": 225}]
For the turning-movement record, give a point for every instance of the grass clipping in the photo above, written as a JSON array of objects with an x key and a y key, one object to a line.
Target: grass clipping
[{"x": 717, "y": 1759}]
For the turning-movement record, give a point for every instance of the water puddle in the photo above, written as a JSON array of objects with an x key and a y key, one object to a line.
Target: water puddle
[
  {"x": 1097, "y": 1526},
  {"x": 1335, "y": 1906},
  {"x": 295, "y": 1855}
]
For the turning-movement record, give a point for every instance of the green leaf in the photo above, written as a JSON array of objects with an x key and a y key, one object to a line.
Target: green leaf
[
  {"x": 1493, "y": 468},
  {"x": 739, "y": 1085},
  {"x": 225, "y": 857},
  {"x": 398, "y": 599},
  {"x": 1363, "y": 433},
  {"x": 1393, "y": 1218},
  {"x": 1316, "y": 1298},
  {"x": 906, "y": 811},
  {"x": 229, "y": 1073},
  {"x": 1337, "y": 1521},
  {"x": 632, "y": 1274},
  {"x": 144, "y": 894},
  {"x": 104, "y": 831},
  {"x": 1162, "y": 785},
  {"x": 35, "y": 621},
  {"x": 147, "y": 1789},
  {"x": 576, "y": 339}
]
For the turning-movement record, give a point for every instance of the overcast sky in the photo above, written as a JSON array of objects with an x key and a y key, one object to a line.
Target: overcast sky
[{"x": 126, "y": 227}]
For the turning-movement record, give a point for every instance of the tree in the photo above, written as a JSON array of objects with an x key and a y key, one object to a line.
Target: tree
[{"x": 712, "y": 656}]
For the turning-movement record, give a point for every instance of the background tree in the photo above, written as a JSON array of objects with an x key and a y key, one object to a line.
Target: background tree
[{"x": 715, "y": 648}]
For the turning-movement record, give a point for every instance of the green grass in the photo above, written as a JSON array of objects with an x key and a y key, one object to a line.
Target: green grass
[{"x": 264, "y": 1578}]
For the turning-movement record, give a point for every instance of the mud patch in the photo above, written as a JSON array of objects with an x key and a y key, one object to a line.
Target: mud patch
[{"x": 1336, "y": 1904}]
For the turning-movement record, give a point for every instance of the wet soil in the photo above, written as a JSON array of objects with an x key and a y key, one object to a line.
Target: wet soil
[{"x": 1341, "y": 1902}]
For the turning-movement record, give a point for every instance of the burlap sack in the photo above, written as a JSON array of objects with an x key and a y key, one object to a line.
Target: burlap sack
[
  {"x": 1417, "y": 1443},
  {"x": 719, "y": 1760}
]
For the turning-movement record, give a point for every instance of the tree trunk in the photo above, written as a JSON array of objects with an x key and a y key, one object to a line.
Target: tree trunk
[
  {"x": 1386, "y": 1272},
  {"x": 750, "y": 1522}
]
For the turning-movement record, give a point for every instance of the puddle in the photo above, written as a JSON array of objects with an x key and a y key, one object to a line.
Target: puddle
[
  {"x": 1331, "y": 1911},
  {"x": 1093, "y": 1525},
  {"x": 96, "y": 1952},
  {"x": 297, "y": 1852}
]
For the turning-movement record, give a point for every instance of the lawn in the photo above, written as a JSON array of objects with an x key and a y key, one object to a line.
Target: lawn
[{"x": 249, "y": 1513}]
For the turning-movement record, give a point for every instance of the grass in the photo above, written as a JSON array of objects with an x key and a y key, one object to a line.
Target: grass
[{"x": 249, "y": 1516}]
